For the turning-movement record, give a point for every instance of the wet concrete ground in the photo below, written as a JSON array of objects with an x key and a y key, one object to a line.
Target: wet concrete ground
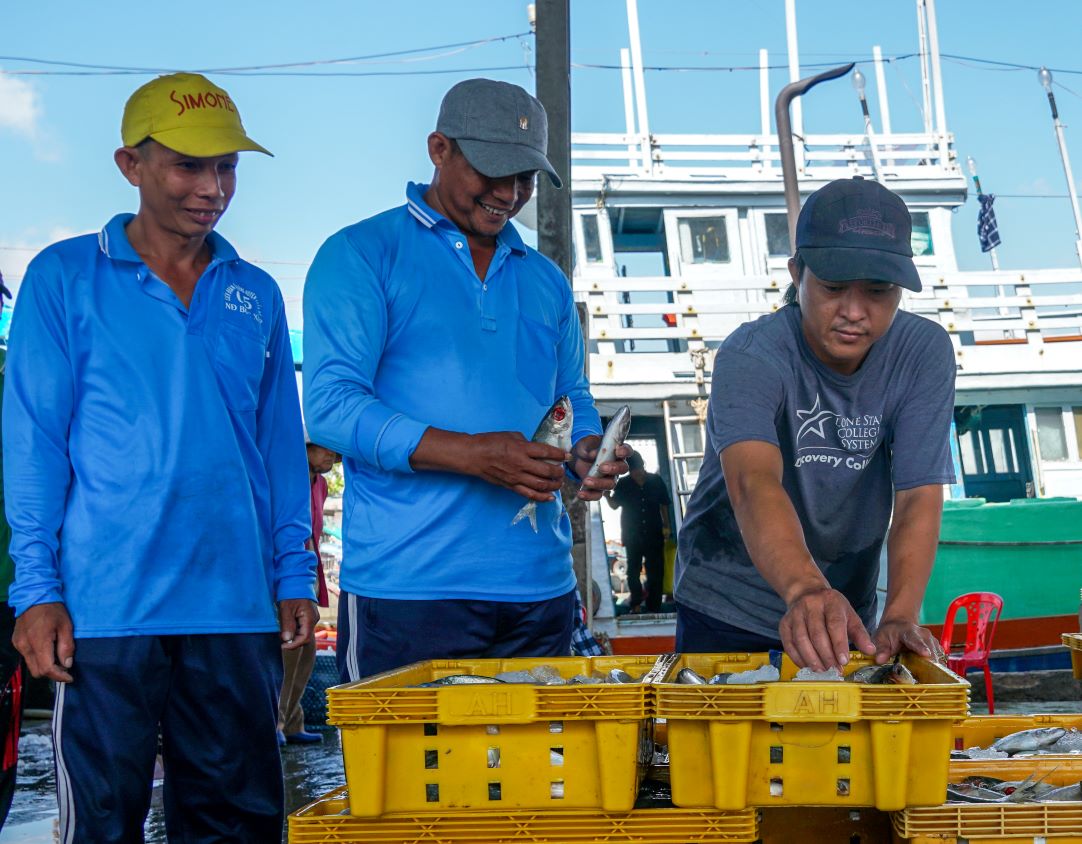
[{"x": 310, "y": 771}]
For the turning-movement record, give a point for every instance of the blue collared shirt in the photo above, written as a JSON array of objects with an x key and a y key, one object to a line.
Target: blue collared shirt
[
  {"x": 400, "y": 334},
  {"x": 154, "y": 459}
]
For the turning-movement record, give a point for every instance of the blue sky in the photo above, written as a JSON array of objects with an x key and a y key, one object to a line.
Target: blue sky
[{"x": 345, "y": 146}]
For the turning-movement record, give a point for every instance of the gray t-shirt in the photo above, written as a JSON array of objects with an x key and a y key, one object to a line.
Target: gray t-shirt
[{"x": 847, "y": 443}]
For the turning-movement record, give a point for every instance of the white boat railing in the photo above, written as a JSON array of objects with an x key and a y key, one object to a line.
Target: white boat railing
[
  {"x": 599, "y": 155},
  {"x": 1002, "y": 323}
]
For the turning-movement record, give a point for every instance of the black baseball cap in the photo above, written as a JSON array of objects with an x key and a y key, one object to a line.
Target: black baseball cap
[
  {"x": 500, "y": 128},
  {"x": 857, "y": 230}
]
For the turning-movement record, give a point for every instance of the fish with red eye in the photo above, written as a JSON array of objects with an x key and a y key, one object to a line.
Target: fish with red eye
[{"x": 554, "y": 430}]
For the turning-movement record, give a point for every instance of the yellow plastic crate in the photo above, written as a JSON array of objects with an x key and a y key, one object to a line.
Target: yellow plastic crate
[
  {"x": 984, "y": 823},
  {"x": 500, "y": 747},
  {"x": 984, "y": 730},
  {"x": 809, "y": 743},
  {"x": 1073, "y": 641},
  {"x": 328, "y": 820}
]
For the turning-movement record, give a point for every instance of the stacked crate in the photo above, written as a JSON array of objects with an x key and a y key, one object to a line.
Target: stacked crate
[
  {"x": 998, "y": 823},
  {"x": 563, "y": 763},
  {"x": 496, "y": 762}
]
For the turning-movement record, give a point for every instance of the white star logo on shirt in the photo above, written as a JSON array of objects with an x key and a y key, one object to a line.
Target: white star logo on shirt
[{"x": 813, "y": 420}]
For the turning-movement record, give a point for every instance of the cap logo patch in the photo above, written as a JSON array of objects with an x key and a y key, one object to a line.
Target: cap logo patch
[
  {"x": 867, "y": 221},
  {"x": 186, "y": 102},
  {"x": 523, "y": 122}
]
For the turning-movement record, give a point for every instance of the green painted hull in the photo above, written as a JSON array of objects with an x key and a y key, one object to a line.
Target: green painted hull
[{"x": 1028, "y": 551}]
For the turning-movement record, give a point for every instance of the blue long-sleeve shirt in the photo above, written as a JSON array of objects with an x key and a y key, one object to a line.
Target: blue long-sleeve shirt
[
  {"x": 154, "y": 458},
  {"x": 400, "y": 334}
]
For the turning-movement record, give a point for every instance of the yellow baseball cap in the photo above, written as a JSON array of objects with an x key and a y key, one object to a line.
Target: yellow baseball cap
[{"x": 187, "y": 113}]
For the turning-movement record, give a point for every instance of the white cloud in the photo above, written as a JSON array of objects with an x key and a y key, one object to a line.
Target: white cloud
[{"x": 20, "y": 106}]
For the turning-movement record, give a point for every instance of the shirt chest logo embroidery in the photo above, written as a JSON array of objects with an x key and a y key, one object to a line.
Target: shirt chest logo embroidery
[
  {"x": 243, "y": 301},
  {"x": 835, "y": 440}
]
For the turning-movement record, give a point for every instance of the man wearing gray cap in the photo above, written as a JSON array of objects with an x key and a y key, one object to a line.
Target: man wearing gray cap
[
  {"x": 828, "y": 420},
  {"x": 435, "y": 342}
]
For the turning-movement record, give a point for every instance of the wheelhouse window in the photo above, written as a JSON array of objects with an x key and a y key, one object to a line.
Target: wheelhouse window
[
  {"x": 704, "y": 240},
  {"x": 1076, "y": 412},
  {"x": 1051, "y": 437},
  {"x": 921, "y": 239},
  {"x": 591, "y": 239},
  {"x": 777, "y": 235}
]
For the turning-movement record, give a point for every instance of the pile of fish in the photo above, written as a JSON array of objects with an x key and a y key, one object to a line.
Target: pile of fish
[
  {"x": 1045, "y": 741},
  {"x": 541, "y": 675},
  {"x": 1032, "y": 789},
  {"x": 889, "y": 673}
]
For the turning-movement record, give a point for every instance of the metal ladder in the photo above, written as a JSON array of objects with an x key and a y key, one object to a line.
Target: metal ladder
[{"x": 685, "y": 436}]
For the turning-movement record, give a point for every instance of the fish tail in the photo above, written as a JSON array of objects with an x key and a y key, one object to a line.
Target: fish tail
[{"x": 529, "y": 510}]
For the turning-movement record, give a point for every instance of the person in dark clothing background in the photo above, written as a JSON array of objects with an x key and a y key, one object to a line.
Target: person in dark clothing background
[
  {"x": 11, "y": 671},
  {"x": 644, "y": 502}
]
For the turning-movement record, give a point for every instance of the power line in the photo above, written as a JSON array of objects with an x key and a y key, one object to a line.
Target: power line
[
  {"x": 283, "y": 69},
  {"x": 459, "y": 47}
]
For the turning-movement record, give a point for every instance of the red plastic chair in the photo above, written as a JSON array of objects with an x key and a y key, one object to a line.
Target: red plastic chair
[{"x": 982, "y": 613}]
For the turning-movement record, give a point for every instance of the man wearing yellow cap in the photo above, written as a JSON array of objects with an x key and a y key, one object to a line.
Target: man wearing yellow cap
[{"x": 152, "y": 428}]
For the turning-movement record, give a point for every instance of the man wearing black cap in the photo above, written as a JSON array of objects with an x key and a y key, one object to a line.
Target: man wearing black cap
[
  {"x": 435, "y": 341},
  {"x": 824, "y": 418}
]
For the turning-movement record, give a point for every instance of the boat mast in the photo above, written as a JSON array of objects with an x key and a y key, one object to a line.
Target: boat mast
[
  {"x": 640, "y": 83},
  {"x": 926, "y": 92},
  {"x": 937, "y": 80},
  {"x": 794, "y": 75}
]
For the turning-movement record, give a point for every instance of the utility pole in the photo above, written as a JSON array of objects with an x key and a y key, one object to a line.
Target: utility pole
[
  {"x": 551, "y": 22},
  {"x": 552, "y": 25}
]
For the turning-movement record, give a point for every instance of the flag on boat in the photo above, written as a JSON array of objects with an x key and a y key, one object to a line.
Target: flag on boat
[{"x": 987, "y": 230}]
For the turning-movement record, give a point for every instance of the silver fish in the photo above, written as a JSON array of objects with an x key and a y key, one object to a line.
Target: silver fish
[
  {"x": 1069, "y": 743},
  {"x": 690, "y": 678},
  {"x": 890, "y": 672},
  {"x": 554, "y": 430},
  {"x": 618, "y": 675},
  {"x": 966, "y": 793},
  {"x": 1067, "y": 792},
  {"x": 1029, "y": 741},
  {"x": 460, "y": 680},
  {"x": 613, "y": 438},
  {"x": 989, "y": 790}
]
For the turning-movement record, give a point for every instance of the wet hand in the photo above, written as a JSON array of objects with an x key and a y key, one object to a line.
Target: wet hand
[
  {"x": 43, "y": 635},
  {"x": 297, "y": 619},
  {"x": 506, "y": 458},
  {"x": 817, "y": 629},
  {"x": 896, "y": 635},
  {"x": 584, "y": 453}
]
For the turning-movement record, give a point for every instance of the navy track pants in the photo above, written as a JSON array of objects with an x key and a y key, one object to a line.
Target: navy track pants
[
  {"x": 214, "y": 699},
  {"x": 378, "y": 634}
]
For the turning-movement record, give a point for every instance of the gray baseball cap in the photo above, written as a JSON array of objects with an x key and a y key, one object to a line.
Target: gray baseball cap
[{"x": 499, "y": 127}]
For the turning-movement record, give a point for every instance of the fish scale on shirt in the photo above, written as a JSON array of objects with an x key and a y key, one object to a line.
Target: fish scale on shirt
[{"x": 847, "y": 443}]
